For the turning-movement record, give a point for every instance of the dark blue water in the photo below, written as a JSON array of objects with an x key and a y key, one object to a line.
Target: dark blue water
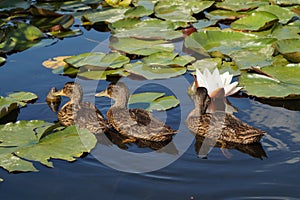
[{"x": 187, "y": 176}]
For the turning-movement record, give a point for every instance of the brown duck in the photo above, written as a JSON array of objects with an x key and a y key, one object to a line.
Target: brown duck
[
  {"x": 134, "y": 123},
  {"x": 221, "y": 126},
  {"x": 75, "y": 111}
]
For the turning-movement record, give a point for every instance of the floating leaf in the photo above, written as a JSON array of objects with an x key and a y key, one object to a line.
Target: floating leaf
[
  {"x": 60, "y": 23},
  {"x": 9, "y": 5},
  {"x": 140, "y": 47},
  {"x": 14, "y": 100},
  {"x": 290, "y": 48},
  {"x": 256, "y": 21},
  {"x": 148, "y": 29},
  {"x": 281, "y": 82},
  {"x": 6, "y": 106},
  {"x": 144, "y": 97},
  {"x": 118, "y": 3},
  {"x": 31, "y": 141},
  {"x": 109, "y": 15},
  {"x": 241, "y": 5},
  {"x": 102, "y": 74},
  {"x": 285, "y": 32},
  {"x": 55, "y": 62},
  {"x": 284, "y": 14},
  {"x": 138, "y": 11},
  {"x": 156, "y": 100},
  {"x": 180, "y": 11},
  {"x": 98, "y": 59},
  {"x": 212, "y": 64},
  {"x": 167, "y": 58},
  {"x": 285, "y": 2},
  {"x": 155, "y": 72}
]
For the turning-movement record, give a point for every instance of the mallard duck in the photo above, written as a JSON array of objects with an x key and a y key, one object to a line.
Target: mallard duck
[
  {"x": 223, "y": 127},
  {"x": 75, "y": 111},
  {"x": 133, "y": 123}
]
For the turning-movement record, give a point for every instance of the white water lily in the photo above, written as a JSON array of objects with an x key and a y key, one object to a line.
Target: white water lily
[{"x": 217, "y": 85}]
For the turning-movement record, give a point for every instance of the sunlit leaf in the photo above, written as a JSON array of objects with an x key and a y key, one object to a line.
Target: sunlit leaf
[
  {"x": 212, "y": 64},
  {"x": 285, "y": 2},
  {"x": 149, "y": 28},
  {"x": 137, "y": 12},
  {"x": 53, "y": 63},
  {"x": 282, "y": 82},
  {"x": 154, "y": 72},
  {"x": 102, "y": 74},
  {"x": 156, "y": 100},
  {"x": 167, "y": 58},
  {"x": 283, "y": 14},
  {"x": 98, "y": 59},
  {"x": 118, "y": 3},
  {"x": 140, "y": 47},
  {"x": 290, "y": 48},
  {"x": 22, "y": 97},
  {"x": 26, "y": 141},
  {"x": 256, "y": 21},
  {"x": 6, "y": 106},
  {"x": 240, "y": 5},
  {"x": 109, "y": 15}
]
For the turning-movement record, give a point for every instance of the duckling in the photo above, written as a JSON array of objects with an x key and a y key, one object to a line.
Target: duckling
[
  {"x": 223, "y": 127},
  {"x": 75, "y": 111},
  {"x": 134, "y": 123}
]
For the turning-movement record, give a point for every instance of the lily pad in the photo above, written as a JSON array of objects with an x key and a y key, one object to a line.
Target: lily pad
[
  {"x": 98, "y": 59},
  {"x": 14, "y": 100},
  {"x": 109, "y": 15},
  {"x": 280, "y": 82},
  {"x": 256, "y": 21},
  {"x": 147, "y": 29},
  {"x": 285, "y": 2},
  {"x": 284, "y": 14},
  {"x": 156, "y": 100},
  {"x": 167, "y": 58},
  {"x": 286, "y": 32},
  {"x": 118, "y": 3},
  {"x": 241, "y": 5},
  {"x": 290, "y": 48},
  {"x": 154, "y": 72},
  {"x": 180, "y": 11},
  {"x": 212, "y": 63},
  {"x": 53, "y": 63},
  {"x": 26, "y": 141},
  {"x": 102, "y": 74},
  {"x": 140, "y": 47}
]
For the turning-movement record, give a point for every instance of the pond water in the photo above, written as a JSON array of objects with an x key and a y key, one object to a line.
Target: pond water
[{"x": 176, "y": 172}]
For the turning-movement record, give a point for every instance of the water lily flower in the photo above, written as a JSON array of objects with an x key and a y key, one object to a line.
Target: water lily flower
[{"x": 217, "y": 85}]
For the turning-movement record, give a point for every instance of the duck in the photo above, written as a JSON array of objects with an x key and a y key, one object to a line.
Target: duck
[
  {"x": 222, "y": 126},
  {"x": 78, "y": 112},
  {"x": 136, "y": 124}
]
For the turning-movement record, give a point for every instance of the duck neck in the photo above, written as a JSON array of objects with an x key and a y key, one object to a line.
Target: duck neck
[
  {"x": 76, "y": 96},
  {"x": 121, "y": 101}
]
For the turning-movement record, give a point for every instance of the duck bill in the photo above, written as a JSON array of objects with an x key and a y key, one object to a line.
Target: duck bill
[
  {"x": 102, "y": 94},
  {"x": 58, "y": 93}
]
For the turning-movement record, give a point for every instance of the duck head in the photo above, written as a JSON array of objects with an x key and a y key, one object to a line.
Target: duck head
[{"x": 72, "y": 90}]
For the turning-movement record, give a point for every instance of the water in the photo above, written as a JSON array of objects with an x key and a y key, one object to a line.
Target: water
[{"x": 187, "y": 176}]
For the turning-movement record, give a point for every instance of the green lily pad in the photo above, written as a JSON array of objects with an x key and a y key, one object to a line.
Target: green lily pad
[
  {"x": 283, "y": 14},
  {"x": 285, "y": 2},
  {"x": 290, "y": 48},
  {"x": 98, "y": 59},
  {"x": 167, "y": 58},
  {"x": 147, "y": 29},
  {"x": 9, "y": 5},
  {"x": 118, "y": 3},
  {"x": 212, "y": 64},
  {"x": 285, "y": 32},
  {"x": 14, "y": 100},
  {"x": 2, "y": 60},
  {"x": 203, "y": 23},
  {"x": 102, "y": 74},
  {"x": 180, "y": 11},
  {"x": 224, "y": 15},
  {"x": 256, "y": 21},
  {"x": 281, "y": 82},
  {"x": 140, "y": 47},
  {"x": 156, "y": 100},
  {"x": 109, "y": 15},
  {"x": 59, "y": 23},
  {"x": 241, "y": 5},
  {"x": 7, "y": 45},
  {"x": 154, "y": 72},
  {"x": 138, "y": 11},
  {"x": 144, "y": 97},
  {"x": 26, "y": 141}
]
